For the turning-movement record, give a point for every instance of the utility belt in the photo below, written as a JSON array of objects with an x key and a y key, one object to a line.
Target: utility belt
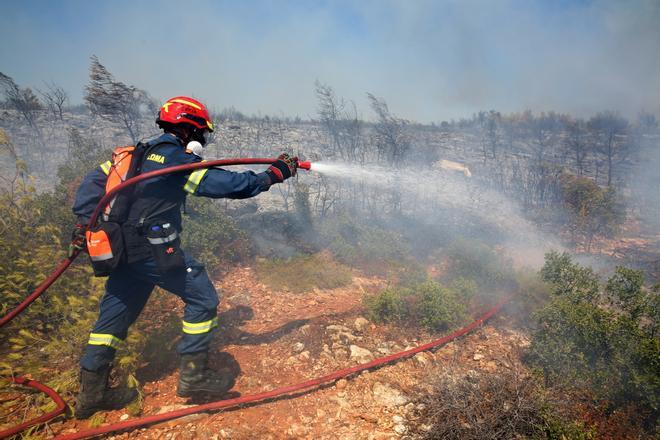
[{"x": 107, "y": 245}]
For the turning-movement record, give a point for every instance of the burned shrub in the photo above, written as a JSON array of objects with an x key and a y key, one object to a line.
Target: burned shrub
[{"x": 504, "y": 405}]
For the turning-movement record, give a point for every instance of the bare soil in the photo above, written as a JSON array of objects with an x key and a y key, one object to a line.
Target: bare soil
[{"x": 268, "y": 339}]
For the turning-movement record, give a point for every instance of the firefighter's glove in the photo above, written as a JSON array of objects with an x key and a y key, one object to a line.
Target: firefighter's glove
[
  {"x": 284, "y": 167},
  {"x": 78, "y": 240}
]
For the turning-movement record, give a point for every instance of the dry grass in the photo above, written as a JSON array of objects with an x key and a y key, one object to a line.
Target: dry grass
[
  {"x": 304, "y": 273},
  {"x": 509, "y": 404}
]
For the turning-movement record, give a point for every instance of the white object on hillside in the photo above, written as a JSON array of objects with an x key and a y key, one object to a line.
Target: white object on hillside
[{"x": 451, "y": 165}]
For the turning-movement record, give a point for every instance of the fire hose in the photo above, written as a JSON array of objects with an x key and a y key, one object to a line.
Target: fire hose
[{"x": 212, "y": 406}]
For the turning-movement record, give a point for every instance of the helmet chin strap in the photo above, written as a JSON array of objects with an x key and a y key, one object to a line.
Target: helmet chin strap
[
  {"x": 200, "y": 136},
  {"x": 183, "y": 133}
]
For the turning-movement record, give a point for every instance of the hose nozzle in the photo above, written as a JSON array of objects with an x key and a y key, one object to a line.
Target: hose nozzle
[{"x": 305, "y": 165}]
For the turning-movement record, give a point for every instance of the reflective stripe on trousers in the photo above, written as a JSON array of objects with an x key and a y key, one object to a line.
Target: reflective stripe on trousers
[
  {"x": 198, "y": 328},
  {"x": 104, "y": 339}
]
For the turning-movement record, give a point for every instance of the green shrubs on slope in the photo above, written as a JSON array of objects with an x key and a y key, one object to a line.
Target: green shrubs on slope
[
  {"x": 47, "y": 340},
  {"x": 435, "y": 306},
  {"x": 593, "y": 211},
  {"x": 604, "y": 340}
]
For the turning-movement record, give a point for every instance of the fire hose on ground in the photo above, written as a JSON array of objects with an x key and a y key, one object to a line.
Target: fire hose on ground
[{"x": 212, "y": 406}]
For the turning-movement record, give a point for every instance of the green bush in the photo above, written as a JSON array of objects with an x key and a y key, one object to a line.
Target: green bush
[
  {"x": 303, "y": 273},
  {"x": 593, "y": 211},
  {"x": 607, "y": 342},
  {"x": 569, "y": 280},
  {"x": 435, "y": 306},
  {"x": 532, "y": 294},
  {"x": 444, "y": 307},
  {"x": 388, "y": 305}
]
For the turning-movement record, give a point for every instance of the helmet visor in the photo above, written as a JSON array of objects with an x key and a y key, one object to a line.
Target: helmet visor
[{"x": 203, "y": 123}]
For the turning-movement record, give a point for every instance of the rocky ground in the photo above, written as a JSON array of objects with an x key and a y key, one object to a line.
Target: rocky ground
[{"x": 273, "y": 338}]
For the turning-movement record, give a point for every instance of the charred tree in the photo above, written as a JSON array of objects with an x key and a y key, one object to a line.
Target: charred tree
[
  {"x": 56, "y": 99},
  {"x": 610, "y": 128},
  {"x": 115, "y": 101},
  {"x": 27, "y": 104},
  {"x": 391, "y": 133}
]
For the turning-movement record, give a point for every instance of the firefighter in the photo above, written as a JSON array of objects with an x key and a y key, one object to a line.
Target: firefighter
[{"x": 156, "y": 205}]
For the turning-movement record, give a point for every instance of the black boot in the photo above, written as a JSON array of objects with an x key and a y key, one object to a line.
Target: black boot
[
  {"x": 196, "y": 378},
  {"x": 96, "y": 396}
]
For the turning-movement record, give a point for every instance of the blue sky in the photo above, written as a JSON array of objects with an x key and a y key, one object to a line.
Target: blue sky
[{"x": 430, "y": 60}]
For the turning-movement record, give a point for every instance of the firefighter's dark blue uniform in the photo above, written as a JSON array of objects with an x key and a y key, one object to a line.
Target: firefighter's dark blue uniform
[{"x": 128, "y": 287}]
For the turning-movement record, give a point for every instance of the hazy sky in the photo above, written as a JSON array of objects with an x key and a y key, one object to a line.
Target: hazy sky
[{"x": 430, "y": 60}]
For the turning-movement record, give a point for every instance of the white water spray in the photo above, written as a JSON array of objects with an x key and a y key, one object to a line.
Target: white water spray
[{"x": 453, "y": 191}]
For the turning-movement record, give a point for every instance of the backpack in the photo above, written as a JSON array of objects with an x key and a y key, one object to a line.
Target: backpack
[{"x": 105, "y": 242}]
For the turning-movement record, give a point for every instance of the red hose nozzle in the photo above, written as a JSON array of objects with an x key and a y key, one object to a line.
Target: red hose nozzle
[{"x": 305, "y": 165}]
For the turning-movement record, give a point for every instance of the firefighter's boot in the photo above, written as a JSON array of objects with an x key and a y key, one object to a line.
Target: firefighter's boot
[
  {"x": 197, "y": 379},
  {"x": 96, "y": 396}
]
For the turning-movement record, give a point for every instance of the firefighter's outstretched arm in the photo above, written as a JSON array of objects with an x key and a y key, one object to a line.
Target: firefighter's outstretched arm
[{"x": 219, "y": 183}]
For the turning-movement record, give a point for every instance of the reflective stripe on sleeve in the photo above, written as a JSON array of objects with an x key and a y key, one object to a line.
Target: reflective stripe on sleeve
[
  {"x": 104, "y": 339},
  {"x": 194, "y": 179},
  {"x": 105, "y": 166},
  {"x": 198, "y": 328}
]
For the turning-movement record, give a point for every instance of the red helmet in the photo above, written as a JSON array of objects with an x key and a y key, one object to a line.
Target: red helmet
[{"x": 182, "y": 109}]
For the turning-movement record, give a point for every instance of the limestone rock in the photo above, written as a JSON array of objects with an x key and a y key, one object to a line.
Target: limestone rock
[
  {"x": 360, "y": 324},
  {"x": 360, "y": 354},
  {"x": 400, "y": 429},
  {"x": 421, "y": 359},
  {"x": 336, "y": 328},
  {"x": 385, "y": 395}
]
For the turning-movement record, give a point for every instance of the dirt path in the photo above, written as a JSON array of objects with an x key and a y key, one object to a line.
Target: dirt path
[{"x": 269, "y": 339}]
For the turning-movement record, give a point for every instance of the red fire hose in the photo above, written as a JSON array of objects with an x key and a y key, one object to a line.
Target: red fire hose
[
  {"x": 230, "y": 403},
  {"x": 224, "y": 404},
  {"x": 61, "y": 406}
]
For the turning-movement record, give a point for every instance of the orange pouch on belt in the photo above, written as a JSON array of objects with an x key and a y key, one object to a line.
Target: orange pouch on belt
[{"x": 105, "y": 245}]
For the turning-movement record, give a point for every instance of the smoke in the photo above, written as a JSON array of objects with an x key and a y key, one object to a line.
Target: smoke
[
  {"x": 430, "y": 60},
  {"x": 449, "y": 201},
  {"x": 646, "y": 181}
]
